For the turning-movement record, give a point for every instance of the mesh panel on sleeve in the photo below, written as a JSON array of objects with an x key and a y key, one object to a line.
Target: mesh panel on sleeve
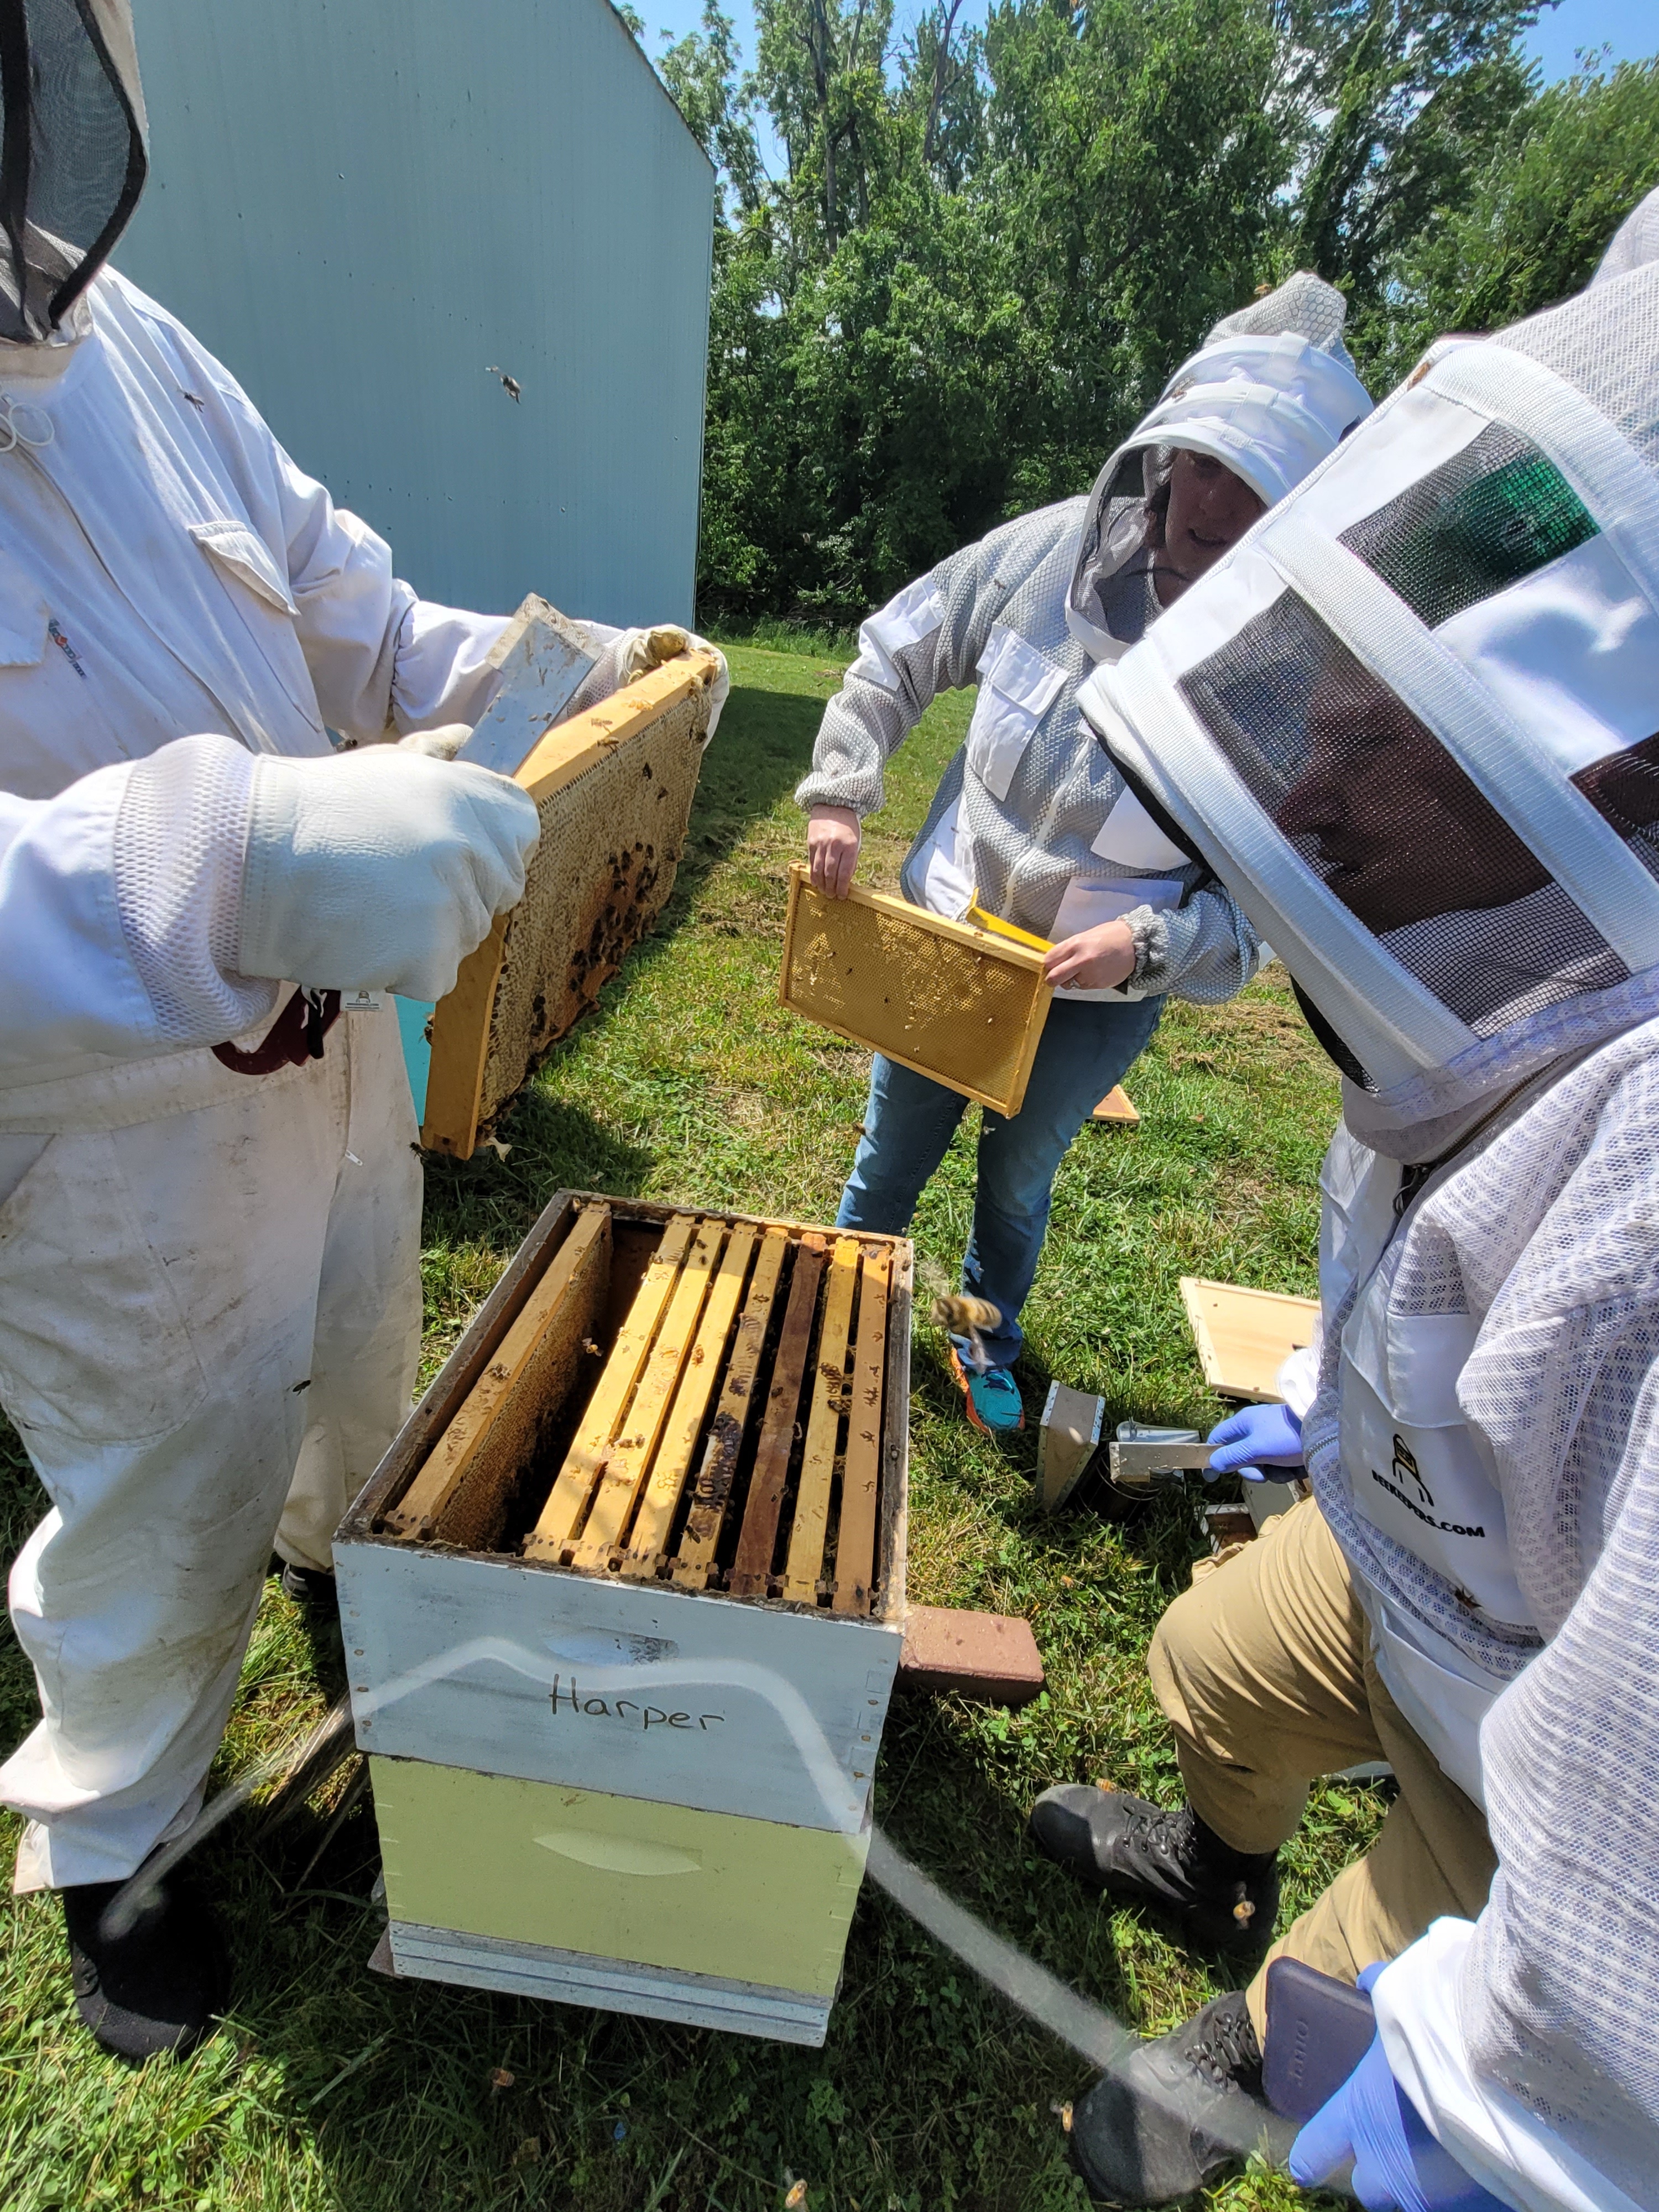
[
  {"x": 180, "y": 841},
  {"x": 1551, "y": 1226},
  {"x": 1480, "y": 521},
  {"x": 1376, "y": 806}
]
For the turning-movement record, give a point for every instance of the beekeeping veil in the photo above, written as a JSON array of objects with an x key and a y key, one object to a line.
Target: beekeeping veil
[
  {"x": 72, "y": 158},
  {"x": 1411, "y": 719},
  {"x": 1269, "y": 393}
]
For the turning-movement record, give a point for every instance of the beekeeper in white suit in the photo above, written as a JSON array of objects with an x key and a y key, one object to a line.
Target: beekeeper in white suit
[
  {"x": 210, "y": 1187},
  {"x": 1030, "y": 817},
  {"x": 1410, "y": 722}
]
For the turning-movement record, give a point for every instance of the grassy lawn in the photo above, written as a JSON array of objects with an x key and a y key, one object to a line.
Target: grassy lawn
[{"x": 331, "y": 2087}]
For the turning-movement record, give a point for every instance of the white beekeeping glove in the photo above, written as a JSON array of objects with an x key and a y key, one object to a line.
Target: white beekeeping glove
[
  {"x": 378, "y": 869},
  {"x": 442, "y": 744},
  {"x": 631, "y": 654}
]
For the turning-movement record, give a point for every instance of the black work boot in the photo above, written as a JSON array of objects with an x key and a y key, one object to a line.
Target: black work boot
[
  {"x": 156, "y": 1988},
  {"x": 1178, "y": 2113},
  {"x": 1140, "y": 1854},
  {"x": 315, "y": 1588}
]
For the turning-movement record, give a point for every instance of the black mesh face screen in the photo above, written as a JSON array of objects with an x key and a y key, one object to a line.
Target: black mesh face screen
[
  {"x": 1478, "y": 523},
  {"x": 1624, "y": 789},
  {"x": 1377, "y": 808},
  {"x": 71, "y": 163}
]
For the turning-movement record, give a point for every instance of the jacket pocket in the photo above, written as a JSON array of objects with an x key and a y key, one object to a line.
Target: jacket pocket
[
  {"x": 258, "y": 590},
  {"x": 1017, "y": 687}
]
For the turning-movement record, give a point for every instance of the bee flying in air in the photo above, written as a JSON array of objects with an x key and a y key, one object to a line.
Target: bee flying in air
[{"x": 966, "y": 1316}]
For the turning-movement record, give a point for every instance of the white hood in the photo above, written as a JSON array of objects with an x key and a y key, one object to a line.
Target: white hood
[
  {"x": 1411, "y": 719},
  {"x": 1269, "y": 394}
]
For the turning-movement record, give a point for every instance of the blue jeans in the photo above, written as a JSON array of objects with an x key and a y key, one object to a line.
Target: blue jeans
[{"x": 909, "y": 1121}]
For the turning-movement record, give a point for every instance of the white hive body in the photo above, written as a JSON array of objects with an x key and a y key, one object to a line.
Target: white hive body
[{"x": 623, "y": 1608}]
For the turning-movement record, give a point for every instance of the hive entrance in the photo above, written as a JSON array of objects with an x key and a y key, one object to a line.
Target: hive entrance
[{"x": 712, "y": 1419}]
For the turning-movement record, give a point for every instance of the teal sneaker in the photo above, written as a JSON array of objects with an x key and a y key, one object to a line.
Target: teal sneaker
[{"x": 991, "y": 1399}]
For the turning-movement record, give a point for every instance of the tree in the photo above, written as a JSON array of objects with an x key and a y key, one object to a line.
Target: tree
[
  {"x": 1391, "y": 102},
  {"x": 988, "y": 249},
  {"x": 1538, "y": 215}
]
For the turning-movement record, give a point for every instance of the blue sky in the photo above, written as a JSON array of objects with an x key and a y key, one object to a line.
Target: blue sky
[{"x": 1630, "y": 27}]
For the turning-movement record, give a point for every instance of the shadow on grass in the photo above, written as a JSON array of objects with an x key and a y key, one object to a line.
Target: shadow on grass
[{"x": 551, "y": 1146}]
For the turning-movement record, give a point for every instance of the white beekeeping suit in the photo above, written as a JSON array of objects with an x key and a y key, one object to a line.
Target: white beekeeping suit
[
  {"x": 1030, "y": 813},
  {"x": 1410, "y": 720},
  {"x": 210, "y": 1296}
]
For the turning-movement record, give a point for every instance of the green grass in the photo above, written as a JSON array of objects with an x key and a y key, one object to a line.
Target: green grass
[{"x": 331, "y": 2089}]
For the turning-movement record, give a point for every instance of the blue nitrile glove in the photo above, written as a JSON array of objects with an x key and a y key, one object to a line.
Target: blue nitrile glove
[
  {"x": 1398, "y": 2167},
  {"x": 1262, "y": 1436}
]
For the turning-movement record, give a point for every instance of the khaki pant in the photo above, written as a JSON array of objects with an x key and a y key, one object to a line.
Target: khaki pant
[{"x": 1264, "y": 1671}]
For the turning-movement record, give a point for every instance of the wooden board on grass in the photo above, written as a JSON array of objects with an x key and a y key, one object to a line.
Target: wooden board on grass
[
  {"x": 1245, "y": 1336},
  {"x": 1117, "y": 1109}
]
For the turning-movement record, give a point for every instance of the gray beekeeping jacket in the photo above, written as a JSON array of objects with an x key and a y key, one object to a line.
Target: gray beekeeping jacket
[{"x": 1031, "y": 817}]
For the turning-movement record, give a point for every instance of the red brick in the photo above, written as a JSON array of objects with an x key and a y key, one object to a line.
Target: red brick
[{"x": 989, "y": 1657}]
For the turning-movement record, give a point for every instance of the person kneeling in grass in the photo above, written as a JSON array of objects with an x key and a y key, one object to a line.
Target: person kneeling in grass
[
  {"x": 1032, "y": 820},
  {"x": 1472, "y": 1591}
]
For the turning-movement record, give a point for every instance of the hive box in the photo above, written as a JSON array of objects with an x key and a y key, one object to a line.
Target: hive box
[{"x": 624, "y": 1784}]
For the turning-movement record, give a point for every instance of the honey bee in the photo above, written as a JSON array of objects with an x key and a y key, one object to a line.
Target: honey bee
[{"x": 966, "y": 1316}]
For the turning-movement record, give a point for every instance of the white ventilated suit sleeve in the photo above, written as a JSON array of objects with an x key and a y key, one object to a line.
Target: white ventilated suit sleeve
[
  {"x": 1206, "y": 951},
  {"x": 927, "y": 640},
  {"x": 381, "y": 659},
  {"x": 1531, "y": 2043},
  {"x": 1495, "y": 2139},
  {"x": 118, "y": 902}
]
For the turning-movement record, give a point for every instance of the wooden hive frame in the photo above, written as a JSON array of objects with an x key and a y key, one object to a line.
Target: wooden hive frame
[
  {"x": 614, "y": 788},
  {"x": 710, "y": 1320},
  {"x": 1243, "y": 1336},
  {"x": 949, "y": 1000}
]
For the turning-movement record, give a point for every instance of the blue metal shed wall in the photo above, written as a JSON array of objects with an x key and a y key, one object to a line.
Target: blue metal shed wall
[{"x": 359, "y": 204}]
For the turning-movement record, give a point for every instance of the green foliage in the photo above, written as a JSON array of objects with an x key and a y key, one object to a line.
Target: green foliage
[
  {"x": 1538, "y": 216},
  {"x": 988, "y": 248}
]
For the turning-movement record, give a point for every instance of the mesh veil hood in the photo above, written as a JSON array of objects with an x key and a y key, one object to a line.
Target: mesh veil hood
[
  {"x": 1411, "y": 719},
  {"x": 1269, "y": 393},
  {"x": 72, "y": 153}
]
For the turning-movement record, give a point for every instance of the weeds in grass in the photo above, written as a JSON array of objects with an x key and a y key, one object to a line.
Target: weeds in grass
[{"x": 330, "y": 2088}]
